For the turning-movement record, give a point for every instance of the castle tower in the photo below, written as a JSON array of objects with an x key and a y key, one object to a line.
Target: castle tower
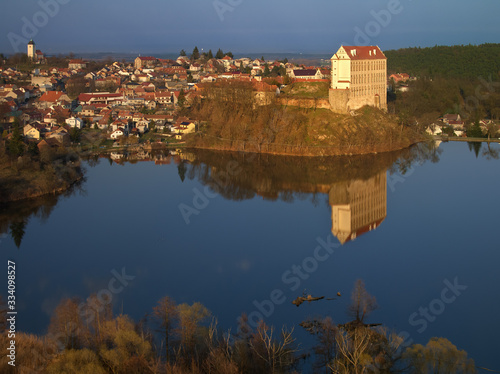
[{"x": 31, "y": 50}]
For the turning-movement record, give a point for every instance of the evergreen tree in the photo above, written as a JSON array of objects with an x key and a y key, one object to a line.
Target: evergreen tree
[
  {"x": 219, "y": 54},
  {"x": 16, "y": 144},
  {"x": 210, "y": 54},
  {"x": 196, "y": 54},
  {"x": 183, "y": 52},
  {"x": 182, "y": 98}
]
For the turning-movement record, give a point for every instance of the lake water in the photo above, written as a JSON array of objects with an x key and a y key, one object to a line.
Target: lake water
[{"x": 248, "y": 233}]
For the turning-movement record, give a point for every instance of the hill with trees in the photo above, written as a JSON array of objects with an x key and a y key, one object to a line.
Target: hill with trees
[
  {"x": 459, "y": 61},
  {"x": 233, "y": 120}
]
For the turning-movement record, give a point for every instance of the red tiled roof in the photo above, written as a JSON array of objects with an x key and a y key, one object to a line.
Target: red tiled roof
[
  {"x": 364, "y": 52},
  {"x": 51, "y": 96}
]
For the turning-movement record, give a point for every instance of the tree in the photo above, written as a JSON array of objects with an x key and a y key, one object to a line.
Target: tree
[
  {"x": 189, "y": 329},
  {"x": 66, "y": 327},
  {"x": 267, "y": 72},
  {"x": 181, "y": 99},
  {"x": 196, "y": 54},
  {"x": 124, "y": 351},
  {"x": 77, "y": 361},
  {"x": 75, "y": 134},
  {"x": 438, "y": 356},
  {"x": 210, "y": 54},
  {"x": 362, "y": 303},
  {"x": 219, "y": 54},
  {"x": 165, "y": 315},
  {"x": 183, "y": 52},
  {"x": 190, "y": 78},
  {"x": 276, "y": 352},
  {"x": 16, "y": 144}
]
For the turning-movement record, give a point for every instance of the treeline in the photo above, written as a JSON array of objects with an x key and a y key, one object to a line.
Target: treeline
[
  {"x": 86, "y": 337},
  {"x": 460, "y": 61},
  {"x": 429, "y": 99},
  {"x": 234, "y": 119}
]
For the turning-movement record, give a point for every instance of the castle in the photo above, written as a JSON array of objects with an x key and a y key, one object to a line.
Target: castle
[{"x": 359, "y": 77}]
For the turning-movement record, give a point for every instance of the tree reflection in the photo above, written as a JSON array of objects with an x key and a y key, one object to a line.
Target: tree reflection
[
  {"x": 15, "y": 216},
  {"x": 17, "y": 232}
]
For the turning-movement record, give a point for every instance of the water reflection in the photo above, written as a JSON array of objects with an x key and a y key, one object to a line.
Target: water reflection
[
  {"x": 15, "y": 216},
  {"x": 358, "y": 206}
]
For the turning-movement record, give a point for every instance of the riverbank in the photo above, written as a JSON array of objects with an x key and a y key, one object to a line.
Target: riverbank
[{"x": 27, "y": 178}]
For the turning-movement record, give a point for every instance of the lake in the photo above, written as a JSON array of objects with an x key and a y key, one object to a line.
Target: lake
[{"x": 250, "y": 233}]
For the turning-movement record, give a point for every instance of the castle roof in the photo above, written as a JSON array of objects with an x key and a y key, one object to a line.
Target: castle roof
[{"x": 362, "y": 52}]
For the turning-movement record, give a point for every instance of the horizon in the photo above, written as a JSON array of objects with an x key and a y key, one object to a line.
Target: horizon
[{"x": 159, "y": 27}]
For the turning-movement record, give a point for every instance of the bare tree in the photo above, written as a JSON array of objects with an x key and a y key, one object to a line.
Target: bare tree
[
  {"x": 352, "y": 351},
  {"x": 277, "y": 353},
  {"x": 362, "y": 303}
]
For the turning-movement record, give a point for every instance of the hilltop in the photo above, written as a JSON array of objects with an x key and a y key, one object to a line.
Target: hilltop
[{"x": 232, "y": 120}]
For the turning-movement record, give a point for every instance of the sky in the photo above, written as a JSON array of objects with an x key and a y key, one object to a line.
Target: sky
[{"x": 242, "y": 26}]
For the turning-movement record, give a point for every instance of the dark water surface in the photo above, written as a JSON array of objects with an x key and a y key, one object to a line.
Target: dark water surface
[{"x": 421, "y": 228}]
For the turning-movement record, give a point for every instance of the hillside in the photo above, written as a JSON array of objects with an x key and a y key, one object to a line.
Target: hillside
[
  {"x": 460, "y": 61},
  {"x": 232, "y": 121}
]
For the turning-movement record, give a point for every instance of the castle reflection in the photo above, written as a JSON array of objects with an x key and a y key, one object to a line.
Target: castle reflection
[{"x": 358, "y": 206}]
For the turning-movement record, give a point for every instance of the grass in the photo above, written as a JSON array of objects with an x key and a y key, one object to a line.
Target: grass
[{"x": 307, "y": 90}]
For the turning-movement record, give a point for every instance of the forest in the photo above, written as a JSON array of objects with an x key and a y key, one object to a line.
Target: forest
[
  {"x": 85, "y": 336},
  {"x": 459, "y": 61}
]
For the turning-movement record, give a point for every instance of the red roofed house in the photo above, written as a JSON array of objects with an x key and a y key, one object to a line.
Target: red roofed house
[
  {"x": 144, "y": 62},
  {"x": 359, "y": 77},
  {"x": 50, "y": 98},
  {"x": 77, "y": 64}
]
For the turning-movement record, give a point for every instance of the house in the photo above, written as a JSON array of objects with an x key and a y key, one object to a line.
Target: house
[
  {"x": 117, "y": 133},
  {"x": 50, "y": 98},
  {"x": 75, "y": 122},
  {"x": 359, "y": 77},
  {"x": 31, "y": 132},
  {"x": 142, "y": 126},
  {"x": 144, "y": 61},
  {"x": 434, "y": 130},
  {"x": 308, "y": 74},
  {"x": 60, "y": 135},
  {"x": 88, "y": 110},
  {"x": 186, "y": 127},
  {"x": 77, "y": 64},
  {"x": 453, "y": 119}
]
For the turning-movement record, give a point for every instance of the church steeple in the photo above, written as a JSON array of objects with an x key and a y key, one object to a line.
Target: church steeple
[{"x": 31, "y": 50}]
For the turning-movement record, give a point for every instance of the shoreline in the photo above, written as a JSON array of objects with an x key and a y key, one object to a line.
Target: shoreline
[{"x": 328, "y": 153}]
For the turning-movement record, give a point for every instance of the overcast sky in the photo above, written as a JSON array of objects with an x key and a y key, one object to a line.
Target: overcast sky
[{"x": 267, "y": 26}]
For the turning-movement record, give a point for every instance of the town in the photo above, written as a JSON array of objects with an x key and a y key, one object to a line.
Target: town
[{"x": 122, "y": 103}]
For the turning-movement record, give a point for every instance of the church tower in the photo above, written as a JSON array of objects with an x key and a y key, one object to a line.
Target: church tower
[{"x": 31, "y": 50}]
